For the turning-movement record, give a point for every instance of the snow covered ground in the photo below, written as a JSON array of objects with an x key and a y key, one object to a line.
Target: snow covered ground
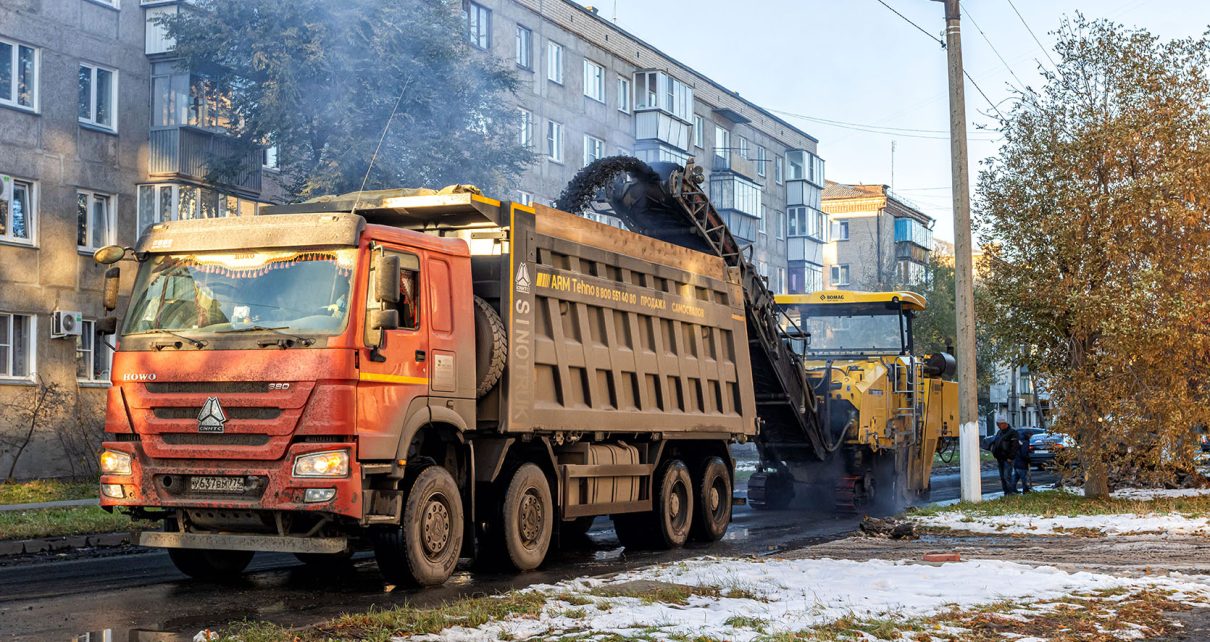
[
  {"x": 743, "y": 599},
  {"x": 1157, "y": 493},
  {"x": 1035, "y": 525}
]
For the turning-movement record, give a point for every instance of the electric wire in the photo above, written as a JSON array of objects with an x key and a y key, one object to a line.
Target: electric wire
[
  {"x": 1031, "y": 33},
  {"x": 909, "y": 21},
  {"x": 966, "y": 10}
]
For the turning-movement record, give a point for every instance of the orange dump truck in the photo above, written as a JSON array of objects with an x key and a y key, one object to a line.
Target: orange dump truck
[{"x": 434, "y": 376}]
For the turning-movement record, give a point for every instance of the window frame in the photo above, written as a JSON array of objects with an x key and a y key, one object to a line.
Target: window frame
[
  {"x": 699, "y": 131},
  {"x": 471, "y": 9},
  {"x": 779, "y": 169},
  {"x": 525, "y": 34},
  {"x": 91, "y": 121},
  {"x": 35, "y": 94},
  {"x": 8, "y": 190},
  {"x": 842, "y": 230},
  {"x": 92, "y": 196},
  {"x": 554, "y": 62},
  {"x": 554, "y": 141},
  {"x": 89, "y": 329},
  {"x": 30, "y": 348},
  {"x": 762, "y": 157},
  {"x": 525, "y": 198},
  {"x": 596, "y": 81},
  {"x": 837, "y": 271},
  {"x": 525, "y": 137},
  {"x": 595, "y": 142},
  {"x": 624, "y": 104}
]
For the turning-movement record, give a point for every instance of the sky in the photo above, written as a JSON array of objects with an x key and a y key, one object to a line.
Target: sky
[{"x": 856, "y": 62}]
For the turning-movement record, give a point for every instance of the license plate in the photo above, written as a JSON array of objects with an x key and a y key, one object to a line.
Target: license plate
[
  {"x": 1041, "y": 451},
  {"x": 216, "y": 484}
]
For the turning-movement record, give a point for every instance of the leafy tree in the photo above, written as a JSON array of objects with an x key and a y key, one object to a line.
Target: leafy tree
[
  {"x": 320, "y": 80},
  {"x": 1096, "y": 224},
  {"x": 936, "y": 329}
]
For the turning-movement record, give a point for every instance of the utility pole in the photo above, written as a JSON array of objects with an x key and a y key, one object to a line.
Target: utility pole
[{"x": 964, "y": 291}]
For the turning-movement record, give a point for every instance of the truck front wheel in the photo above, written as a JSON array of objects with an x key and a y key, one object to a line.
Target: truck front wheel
[
  {"x": 528, "y": 518},
  {"x": 209, "y": 564},
  {"x": 423, "y": 550}
]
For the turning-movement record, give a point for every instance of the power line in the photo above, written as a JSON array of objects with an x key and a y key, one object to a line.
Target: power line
[
  {"x": 873, "y": 129},
  {"x": 966, "y": 10},
  {"x": 909, "y": 21},
  {"x": 1031, "y": 33}
]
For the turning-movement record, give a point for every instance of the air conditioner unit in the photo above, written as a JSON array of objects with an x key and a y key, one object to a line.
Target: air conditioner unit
[{"x": 65, "y": 323}]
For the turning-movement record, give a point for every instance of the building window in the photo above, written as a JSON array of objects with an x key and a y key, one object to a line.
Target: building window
[
  {"x": 760, "y": 161},
  {"x": 624, "y": 95},
  {"x": 554, "y": 141},
  {"x": 842, "y": 231},
  {"x": 798, "y": 165},
  {"x": 594, "y": 149},
  {"x": 525, "y": 48},
  {"x": 94, "y": 220},
  {"x": 180, "y": 98},
  {"x": 781, "y": 280},
  {"x": 554, "y": 62},
  {"x": 16, "y": 346},
  {"x": 18, "y": 75},
  {"x": 699, "y": 131},
  {"x": 722, "y": 142},
  {"x": 525, "y": 198},
  {"x": 171, "y": 202},
  {"x": 779, "y": 170},
  {"x": 658, "y": 90},
  {"x": 840, "y": 275},
  {"x": 93, "y": 355},
  {"x": 478, "y": 24},
  {"x": 16, "y": 210},
  {"x": 764, "y": 216},
  {"x": 526, "y": 136},
  {"x": 781, "y": 225},
  {"x": 268, "y": 158},
  {"x": 594, "y": 81},
  {"x": 98, "y": 88},
  {"x": 743, "y": 147}
]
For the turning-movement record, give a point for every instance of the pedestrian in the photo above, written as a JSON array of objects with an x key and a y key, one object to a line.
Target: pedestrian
[
  {"x": 1004, "y": 448},
  {"x": 1021, "y": 464}
]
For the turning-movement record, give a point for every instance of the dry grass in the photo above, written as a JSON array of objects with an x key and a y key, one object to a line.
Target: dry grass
[
  {"x": 46, "y": 490},
  {"x": 1058, "y": 503},
  {"x": 56, "y": 522}
]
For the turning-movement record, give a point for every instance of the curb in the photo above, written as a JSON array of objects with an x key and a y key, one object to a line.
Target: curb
[{"x": 56, "y": 544}]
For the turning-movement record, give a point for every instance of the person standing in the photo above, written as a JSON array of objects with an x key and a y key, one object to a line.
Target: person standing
[
  {"x": 1004, "y": 447},
  {"x": 1021, "y": 464}
]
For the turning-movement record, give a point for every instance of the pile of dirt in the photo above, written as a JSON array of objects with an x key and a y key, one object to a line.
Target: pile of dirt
[{"x": 888, "y": 528}]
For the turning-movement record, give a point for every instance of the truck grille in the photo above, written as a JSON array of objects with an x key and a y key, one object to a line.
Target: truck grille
[
  {"x": 208, "y": 387},
  {"x": 233, "y": 412},
  {"x": 202, "y": 439}
]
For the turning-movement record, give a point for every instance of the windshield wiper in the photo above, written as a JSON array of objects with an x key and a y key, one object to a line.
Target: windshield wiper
[
  {"x": 197, "y": 343},
  {"x": 306, "y": 341}
]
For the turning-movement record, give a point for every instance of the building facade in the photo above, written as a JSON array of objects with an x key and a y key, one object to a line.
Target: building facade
[
  {"x": 590, "y": 89},
  {"x": 879, "y": 241},
  {"x": 100, "y": 136}
]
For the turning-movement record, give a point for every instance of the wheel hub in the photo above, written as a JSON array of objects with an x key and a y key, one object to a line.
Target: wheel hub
[
  {"x": 436, "y": 526},
  {"x": 714, "y": 499},
  {"x": 530, "y": 518}
]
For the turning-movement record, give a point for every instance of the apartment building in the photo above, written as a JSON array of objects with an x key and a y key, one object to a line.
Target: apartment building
[
  {"x": 100, "y": 135},
  {"x": 591, "y": 89},
  {"x": 880, "y": 241}
]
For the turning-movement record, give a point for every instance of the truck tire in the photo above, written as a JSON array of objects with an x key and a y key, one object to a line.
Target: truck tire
[
  {"x": 712, "y": 492},
  {"x": 210, "y": 564},
  {"x": 424, "y": 549},
  {"x": 528, "y": 518},
  {"x": 491, "y": 347},
  {"x": 668, "y": 524}
]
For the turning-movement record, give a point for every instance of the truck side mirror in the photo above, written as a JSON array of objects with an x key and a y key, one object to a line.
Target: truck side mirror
[
  {"x": 109, "y": 254},
  {"x": 384, "y": 319},
  {"x": 112, "y": 280},
  {"x": 107, "y": 325},
  {"x": 386, "y": 279}
]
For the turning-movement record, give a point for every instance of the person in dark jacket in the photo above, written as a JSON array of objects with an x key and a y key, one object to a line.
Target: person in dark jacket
[
  {"x": 1021, "y": 464},
  {"x": 1005, "y": 446}
]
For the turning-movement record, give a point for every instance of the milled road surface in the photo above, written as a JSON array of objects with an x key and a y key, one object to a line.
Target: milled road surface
[{"x": 141, "y": 597}]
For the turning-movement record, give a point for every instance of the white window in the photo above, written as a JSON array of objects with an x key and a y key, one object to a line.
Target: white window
[
  {"x": 842, "y": 231},
  {"x": 594, "y": 148},
  {"x": 93, "y": 355},
  {"x": 554, "y": 141},
  {"x": 761, "y": 159},
  {"x": 16, "y": 346},
  {"x": 19, "y": 75},
  {"x": 17, "y": 210},
  {"x": 594, "y": 81},
  {"x": 526, "y": 136},
  {"x": 478, "y": 24},
  {"x": 699, "y": 131},
  {"x": 743, "y": 148},
  {"x": 779, "y": 170},
  {"x": 781, "y": 280},
  {"x": 722, "y": 142},
  {"x": 268, "y": 158},
  {"x": 525, "y": 198},
  {"x": 554, "y": 62},
  {"x": 798, "y": 165},
  {"x": 98, "y": 89},
  {"x": 94, "y": 220},
  {"x": 525, "y": 48},
  {"x": 658, "y": 90},
  {"x": 624, "y": 95},
  {"x": 840, "y": 275},
  {"x": 781, "y": 225},
  {"x": 171, "y": 202},
  {"x": 764, "y": 216}
]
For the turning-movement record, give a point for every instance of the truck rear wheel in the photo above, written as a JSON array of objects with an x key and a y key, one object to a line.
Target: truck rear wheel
[
  {"x": 424, "y": 549},
  {"x": 210, "y": 564},
  {"x": 528, "y": 518},
  {"x": 668, "y": 524},
  {"x": 713, "y": 494}
]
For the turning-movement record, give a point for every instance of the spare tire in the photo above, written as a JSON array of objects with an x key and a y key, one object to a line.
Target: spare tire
[{"x": 491, "y": 347}]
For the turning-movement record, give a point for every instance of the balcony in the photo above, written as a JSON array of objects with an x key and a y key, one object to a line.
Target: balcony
[
  {"x": 659, "y": 126},
  {"x": 801, "y": 248},
  {"x": 728, "y": 159},
  {"x": 197, "y": 154}
]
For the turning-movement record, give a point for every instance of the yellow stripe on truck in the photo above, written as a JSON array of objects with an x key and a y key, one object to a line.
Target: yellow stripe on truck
[{"x": 390, "y": 378}]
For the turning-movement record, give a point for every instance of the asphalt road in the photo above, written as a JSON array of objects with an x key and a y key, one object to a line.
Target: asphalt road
[{"x": 141, "y": 597}]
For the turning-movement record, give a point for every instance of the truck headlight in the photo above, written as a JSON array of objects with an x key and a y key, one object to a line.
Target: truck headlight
[
  {"x": 115, "y": 463},
  {"x": 333, "y": 463}
]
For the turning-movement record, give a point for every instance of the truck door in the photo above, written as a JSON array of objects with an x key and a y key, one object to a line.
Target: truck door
[{"x": 395, "y": 377}]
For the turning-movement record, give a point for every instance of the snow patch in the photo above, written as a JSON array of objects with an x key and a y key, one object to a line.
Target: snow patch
[
  {"x": 1035, "y": 525},
  {"x": 796, "y": 594}
]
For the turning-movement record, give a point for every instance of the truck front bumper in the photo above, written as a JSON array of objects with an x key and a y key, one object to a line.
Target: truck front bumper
[
  {"x": 227, "y": 542},
  {"x": 166, "y": 483}
]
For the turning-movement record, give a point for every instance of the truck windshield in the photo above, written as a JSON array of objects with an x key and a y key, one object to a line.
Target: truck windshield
[
  {"x": 855, "y": 334},
  {"x": 302, "y": 291}
]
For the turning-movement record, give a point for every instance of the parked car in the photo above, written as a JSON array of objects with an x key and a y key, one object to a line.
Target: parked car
[
  {"x": 1043, "y": 446},
  {"x": 1026, "y": 433}
]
